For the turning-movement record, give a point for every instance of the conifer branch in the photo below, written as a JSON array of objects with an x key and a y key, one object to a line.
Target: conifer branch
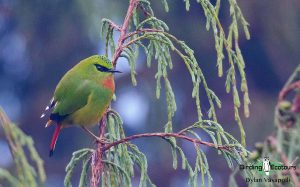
[
  {"x": 273, "y": 142},
  {"x": 132, "y": 6},
  {"x": 283, "y": 144},
  {"x": 113, "y": 25},
  {"x": 151, "y": 34},
  {"x": 167, "y": 135},
  {"x": 287, "y": 89},
  {"x": 143, "y": 31},
  {"x": 97, "y": 157},
  {"x": 19, "y": 143}
]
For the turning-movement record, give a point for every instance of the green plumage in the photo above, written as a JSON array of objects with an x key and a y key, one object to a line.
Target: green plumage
[
  {"x": 82, "y": 95},
  {"x": 84, "y": 92}
]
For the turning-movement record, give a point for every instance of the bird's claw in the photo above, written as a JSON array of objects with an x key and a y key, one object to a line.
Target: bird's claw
[{"x": 102, "y": 140}]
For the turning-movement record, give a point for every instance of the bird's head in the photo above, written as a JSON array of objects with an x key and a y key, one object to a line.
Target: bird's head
[
  {"x": 102, "y": 64},
  {"x": 97, "y": 65}
]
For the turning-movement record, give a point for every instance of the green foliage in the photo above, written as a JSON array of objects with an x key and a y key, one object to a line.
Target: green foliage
[
  {"x": 120, "y": 161},
  {"x": 26, "y": 174},
  {"x": 283, "y": 145},
  {"x": 80, "y": 155},
  {"x": 287, "y": 119},
  {"x": 151, "y": 35},
  {"x": 201, "y": 166},
  {"x": 234, "y": 55}
]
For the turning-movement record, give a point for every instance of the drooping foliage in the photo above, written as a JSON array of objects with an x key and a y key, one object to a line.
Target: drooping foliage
[
  {"x": 282, "y": 146},
  {"x": 152, "y": 36},
  {"x": 19, "y": 143}
]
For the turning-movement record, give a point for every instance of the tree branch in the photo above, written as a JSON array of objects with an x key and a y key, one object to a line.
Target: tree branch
[
  {"x": 113, "y": 25},
  {"x": 122, "y": 38},
  {"x": 287, "y": 89},
  {"x": 273, "y": 142},
  {"x": 165, "y": 135},
  {"x": 142, "y": 31},
  {"x": 97, "y": 157},
  {"x": 146, "y": 13}
]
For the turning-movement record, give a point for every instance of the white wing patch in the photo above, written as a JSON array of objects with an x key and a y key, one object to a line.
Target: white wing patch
[{"x": 51, "y": 104}]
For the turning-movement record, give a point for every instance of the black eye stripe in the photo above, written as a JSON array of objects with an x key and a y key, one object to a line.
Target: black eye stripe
[{"x": 101, "y": 68}]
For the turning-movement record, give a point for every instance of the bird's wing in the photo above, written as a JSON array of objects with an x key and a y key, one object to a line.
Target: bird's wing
[
  {"x": 70, "y": 95},
  {"x": 49, "y": 106}
]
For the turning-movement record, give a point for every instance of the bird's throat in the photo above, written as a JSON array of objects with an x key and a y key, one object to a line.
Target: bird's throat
[{"x": 109, "y": 83}]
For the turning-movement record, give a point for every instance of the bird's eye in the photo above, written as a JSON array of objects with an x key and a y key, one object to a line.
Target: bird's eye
[{"x": 101, "y": 68}]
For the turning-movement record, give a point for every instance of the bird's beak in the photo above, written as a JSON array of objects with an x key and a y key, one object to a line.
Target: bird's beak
[{"x": 114, "y": 71}]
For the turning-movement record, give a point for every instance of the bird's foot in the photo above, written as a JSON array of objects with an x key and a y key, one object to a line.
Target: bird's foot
[
  {"x": 98, "y": 139},
  {"x": 102, "y": 140}
]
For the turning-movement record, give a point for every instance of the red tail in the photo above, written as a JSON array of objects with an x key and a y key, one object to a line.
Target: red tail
[{"x": 54, "y": 139}]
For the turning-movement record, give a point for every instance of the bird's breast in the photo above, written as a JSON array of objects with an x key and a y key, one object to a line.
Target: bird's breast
[{"x": 109, "y": 83}]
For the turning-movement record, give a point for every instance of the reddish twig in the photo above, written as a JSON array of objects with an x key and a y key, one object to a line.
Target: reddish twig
[
  {"x": 113, "y": 25},
  {"x": 273, "y": 142},
  {"x": 148, "y": 30},
  {"x": 288, "y": 116},
  {"x": 132, "y": 6},
  {"x": 146, "y": 13},
  {"x": 97, "y": 157},
  {"x": 141, "y": 31},
  {"x": 165, "y": 135},
  {"x": 285, "y": 91},
  {"x": 286, "y": 172}
]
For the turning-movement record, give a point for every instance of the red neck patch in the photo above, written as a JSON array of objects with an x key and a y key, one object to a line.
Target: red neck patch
[{"x": 109, "y": 83}]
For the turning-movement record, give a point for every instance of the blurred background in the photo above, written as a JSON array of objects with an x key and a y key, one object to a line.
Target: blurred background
[{"x": 41, "y": 40}]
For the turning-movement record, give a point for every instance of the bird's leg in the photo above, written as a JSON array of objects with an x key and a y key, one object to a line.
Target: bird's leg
[{"x": 101, "y": 140}]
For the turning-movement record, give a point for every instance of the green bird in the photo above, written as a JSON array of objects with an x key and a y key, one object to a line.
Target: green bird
[{"x": 82, "y": 95}]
